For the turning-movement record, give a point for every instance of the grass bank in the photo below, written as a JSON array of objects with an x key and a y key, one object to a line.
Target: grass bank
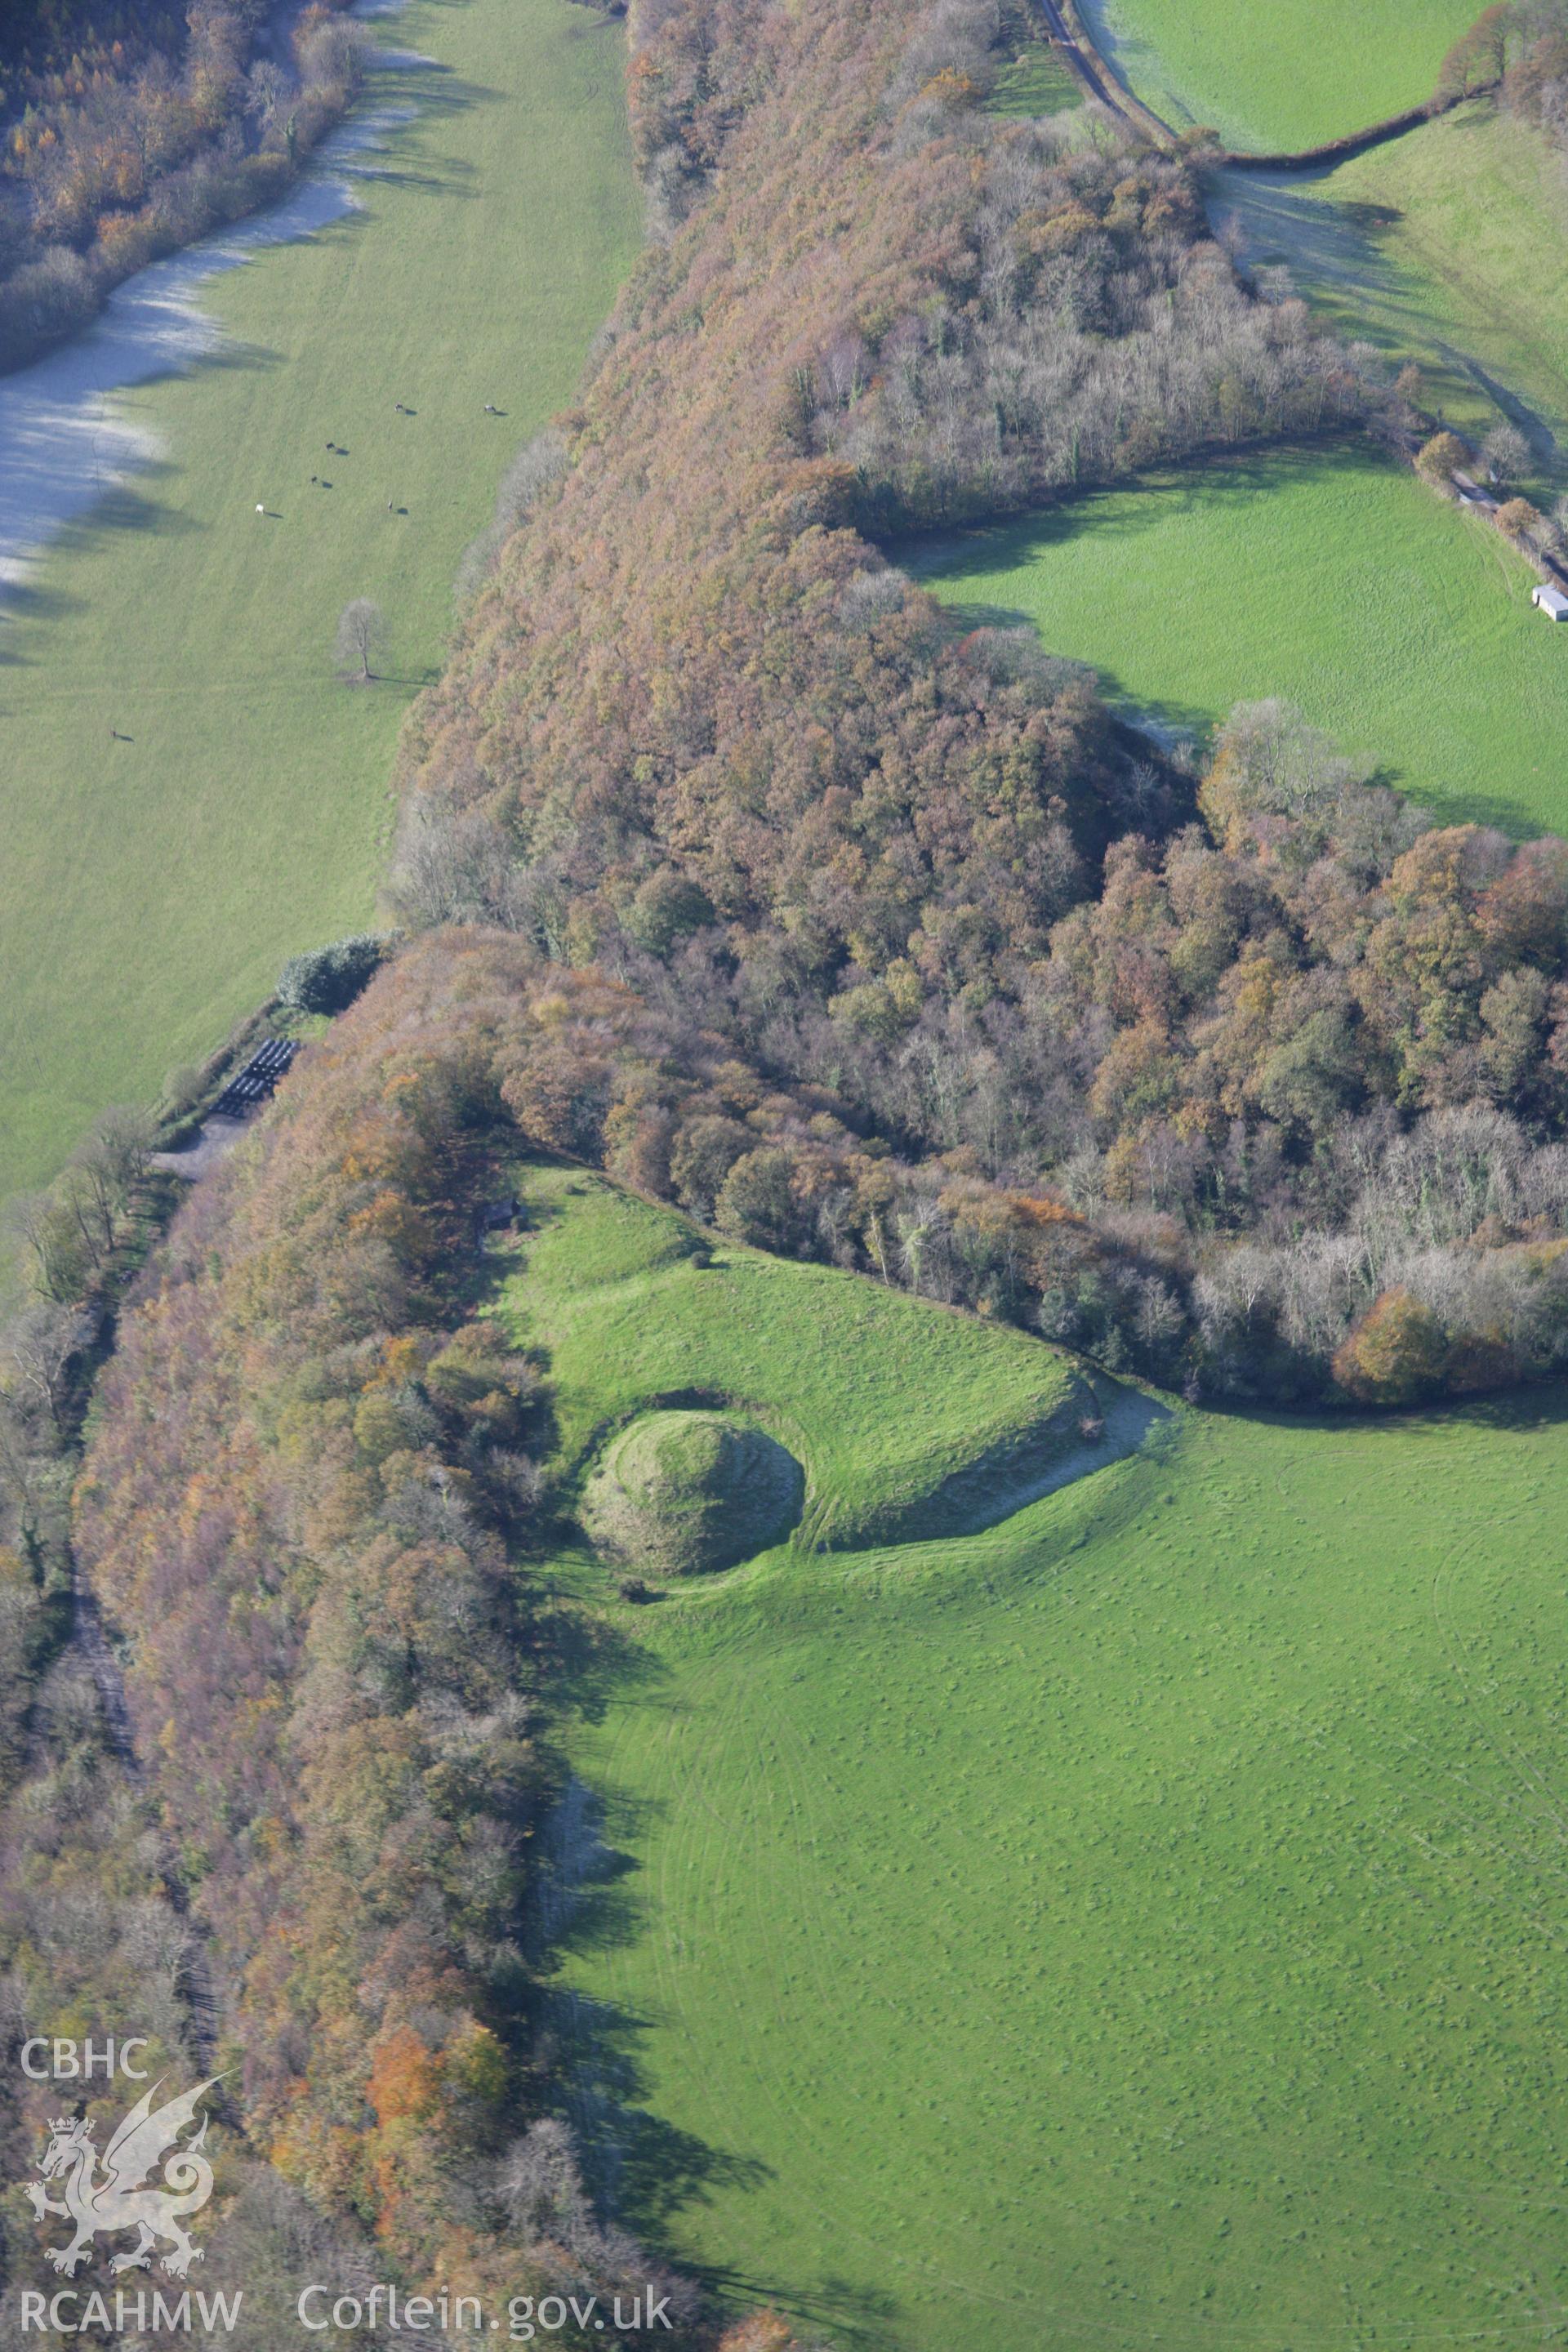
[
  {"x": 190, "y": 796},
  {"x": 1329, "y": 577},
  {"x": 1282, "y": 77}
]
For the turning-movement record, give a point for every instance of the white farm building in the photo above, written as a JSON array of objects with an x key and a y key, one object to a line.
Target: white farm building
[{"x": 1551, "y": 601}]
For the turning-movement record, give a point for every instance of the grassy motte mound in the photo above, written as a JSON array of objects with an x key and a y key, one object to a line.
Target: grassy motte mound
[
  {"x": 682, "y": 1494},
  {"x": 909, "y": 1420}
]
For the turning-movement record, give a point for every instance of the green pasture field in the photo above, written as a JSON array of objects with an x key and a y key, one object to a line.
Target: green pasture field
[
  {"x": 1330, "y": 577},
  {"x": 1283, "y": 76},
  {"x": 1140, "y": 1922},
  {"x": 151, "y": 888},
  {"x": 1449, "y": 247},
  {"x": 880, "y": 1397}
]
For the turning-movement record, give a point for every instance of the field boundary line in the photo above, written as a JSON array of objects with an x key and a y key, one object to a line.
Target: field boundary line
[
  {"x": 1355, "y": 142},
  {"x": 1070, "y": 32}
]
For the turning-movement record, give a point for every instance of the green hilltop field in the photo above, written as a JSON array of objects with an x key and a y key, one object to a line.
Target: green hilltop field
[
  {"x": 1332, "y": 578},
  {"x": 1135, "y": 1921},
  {"x": 151, "y": 888},
  {"x": 1283, "y": 77}
]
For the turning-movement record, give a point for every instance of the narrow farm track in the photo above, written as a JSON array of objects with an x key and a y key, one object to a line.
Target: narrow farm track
[
  {"x": 1088, "y": 66},
  {"x": 1093, "y": 81}
]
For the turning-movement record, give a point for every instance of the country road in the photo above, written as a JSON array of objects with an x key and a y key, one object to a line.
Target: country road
[
  {"x": 1087, "y": 73},
  {"x": 1083, "y": 58}
]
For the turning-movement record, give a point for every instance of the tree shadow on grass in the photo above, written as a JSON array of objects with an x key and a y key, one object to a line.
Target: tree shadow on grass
[
  {"x": 433, "y": 93},
  {"x": 855, "y": 2314},
  {"x": 1343, "y": 255},
  {"x": 126, "y": 506},
  {"x": 1335, "y": 246},
  {"x": 651, "y": 2173},
  {"x": 1529, "y": 420},
  {"x": 1165, "y": 719},
  {"x": 442, "y": 177},
  {"x": 640, "y": 2165},
  {"x": 1133, "y": 507},
  {"x": 121, "y": 507},
  {"x": 587, "y": 1899},
  {"x": 1529, "y": 1409},
  {"x": 1495, "y": 809},
  {"x": 1520, "y": 1412},
  {"x": 29, "y": 600},
  {"x": 432, "y": 90},
  {"x": 234, "y": 355},
  {"x": 645, "y": 2169},
  {"x": 592, "y": 1662}
]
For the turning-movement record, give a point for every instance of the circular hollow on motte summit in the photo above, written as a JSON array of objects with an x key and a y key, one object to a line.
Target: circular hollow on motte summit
[{"x": 682, "y": 1494}]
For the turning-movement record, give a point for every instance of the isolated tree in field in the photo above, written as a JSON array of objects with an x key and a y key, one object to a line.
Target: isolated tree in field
[{"x": 361, "y": 638}]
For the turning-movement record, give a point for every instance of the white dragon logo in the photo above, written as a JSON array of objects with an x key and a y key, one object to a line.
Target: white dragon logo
[{"x": 117, "y": 2200}]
